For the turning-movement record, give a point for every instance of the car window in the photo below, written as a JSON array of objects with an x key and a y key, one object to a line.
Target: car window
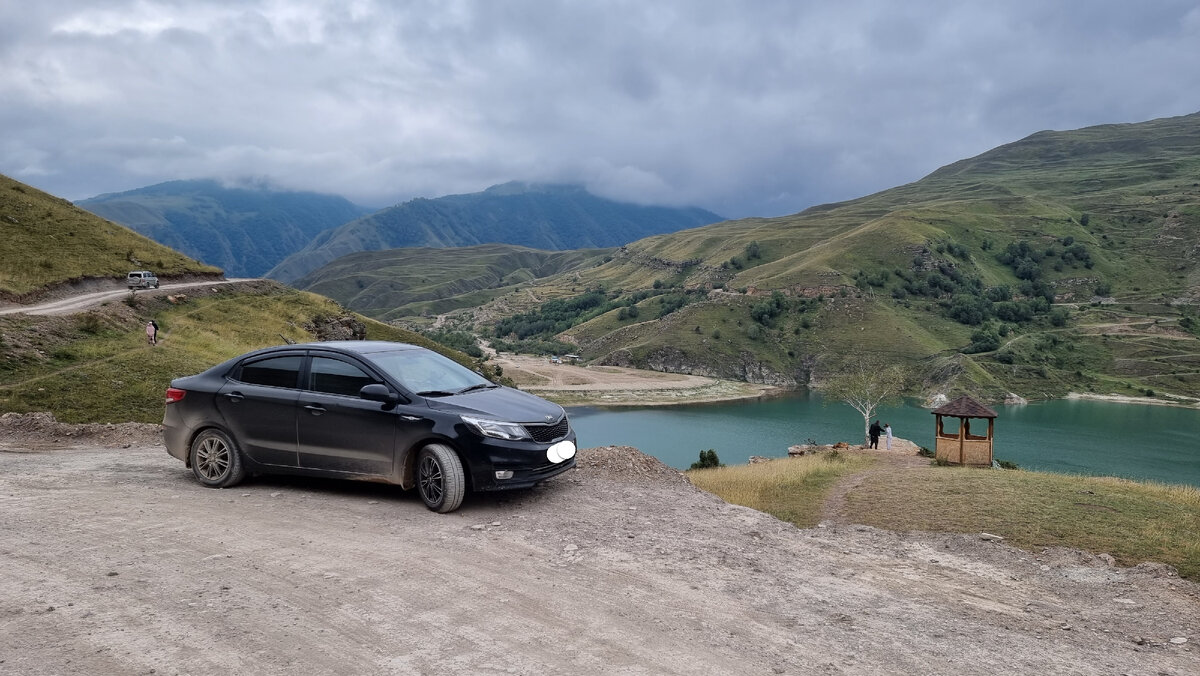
[
  {"x": 275, "y": 371},
  {"x": 426, "y": 371},
  {"x": 337, "y": 377}
]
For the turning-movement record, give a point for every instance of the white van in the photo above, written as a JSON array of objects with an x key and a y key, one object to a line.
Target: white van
[{"x": 141, "y": 279}]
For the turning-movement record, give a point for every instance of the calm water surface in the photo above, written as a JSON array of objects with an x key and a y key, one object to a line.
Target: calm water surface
[{"x": 1070, "y": 436}]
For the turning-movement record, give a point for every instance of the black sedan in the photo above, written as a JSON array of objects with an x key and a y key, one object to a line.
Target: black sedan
[{"x": 378, "y": 411}]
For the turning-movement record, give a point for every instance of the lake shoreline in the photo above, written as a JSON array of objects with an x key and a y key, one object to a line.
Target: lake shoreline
[{"x": 1184, "y": 402}]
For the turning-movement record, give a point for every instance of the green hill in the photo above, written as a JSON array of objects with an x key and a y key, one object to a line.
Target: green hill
[
  {"x": 96, "y": 366},
  {"x": 1064, "y": 261},
  {"x": 49, "y": 241},
  {"x": 403, "y": 282},
  {"x": 246, "y": 231},
  {"x": 553, "y": 217}
]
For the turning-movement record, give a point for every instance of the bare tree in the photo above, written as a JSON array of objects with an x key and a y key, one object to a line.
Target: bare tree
[{"x": 866, "y": 384}]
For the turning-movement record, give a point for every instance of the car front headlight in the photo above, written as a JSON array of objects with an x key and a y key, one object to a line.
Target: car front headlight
[{"x": 496, "y": 429}]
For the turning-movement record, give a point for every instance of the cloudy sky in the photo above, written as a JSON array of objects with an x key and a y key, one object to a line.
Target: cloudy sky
[{"x": 745, "y": 107}]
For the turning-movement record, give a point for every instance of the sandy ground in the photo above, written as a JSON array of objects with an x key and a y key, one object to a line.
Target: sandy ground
[
  {"x": 615, "y": 386},
  {"x": 117, "y": 562}
]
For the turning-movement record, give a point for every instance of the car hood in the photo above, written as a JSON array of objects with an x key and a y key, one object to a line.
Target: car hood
[{"x": 500, "y": 403}]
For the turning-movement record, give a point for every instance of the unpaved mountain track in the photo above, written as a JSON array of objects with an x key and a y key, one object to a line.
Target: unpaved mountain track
[
  {"x": 116, "y": 561},
  {"x": 83, "y": 301}
]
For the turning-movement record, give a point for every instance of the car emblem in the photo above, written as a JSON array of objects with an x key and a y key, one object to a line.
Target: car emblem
[{"x": 549, "y": 418}]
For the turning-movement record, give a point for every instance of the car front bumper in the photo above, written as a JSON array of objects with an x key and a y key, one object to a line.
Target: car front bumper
[{"x": 526, "y": 461}]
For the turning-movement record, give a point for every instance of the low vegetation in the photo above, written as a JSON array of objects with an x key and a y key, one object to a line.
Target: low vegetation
[
  {"x": 98, "y": 367},
  {"x": 791, "y": 489},
  {"x": 1131, "y": 521}
]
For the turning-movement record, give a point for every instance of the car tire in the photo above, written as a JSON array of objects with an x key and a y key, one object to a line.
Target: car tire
[
  {"x": 215, "y": 459},
  {"x": 440, "y": 478},
  {"x": 156, "y": 285}
]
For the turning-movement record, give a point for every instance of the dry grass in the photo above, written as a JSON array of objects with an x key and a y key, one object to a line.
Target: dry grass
[
  {"x": 791, "y": 489},
  {"x": 1130, "y": 520}
]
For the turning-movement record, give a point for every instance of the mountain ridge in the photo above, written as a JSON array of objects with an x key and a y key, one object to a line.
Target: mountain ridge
[
  {"x": 245, "y": 230},
  {"x": 534, "y": 215}
]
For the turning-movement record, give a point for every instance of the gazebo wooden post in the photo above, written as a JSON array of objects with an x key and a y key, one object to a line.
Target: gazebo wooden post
[
  {"x": 962, "y": 439},
  {"x": 991, "y": 444}
]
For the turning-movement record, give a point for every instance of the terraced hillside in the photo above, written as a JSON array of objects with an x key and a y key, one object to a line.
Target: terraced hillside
[
  {"x": 48, "y": 241},
  {"x": 1064, "y": 261},
  {"x": 421, "y": 280}
]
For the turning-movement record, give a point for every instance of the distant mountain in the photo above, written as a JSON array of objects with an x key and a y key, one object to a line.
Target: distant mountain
[
  {"x": 47, "y": 241},
  {"x": 415, "y": 280},
  {"x": 538, "y": 216},
  {"x": 244, "y": 231},
  {"x": 1066, "y": 261}
]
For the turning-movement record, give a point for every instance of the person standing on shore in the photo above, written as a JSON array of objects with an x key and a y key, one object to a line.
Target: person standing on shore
[
  {"x": 887, "y": 430},
  {"x": 873, "y": 432}
]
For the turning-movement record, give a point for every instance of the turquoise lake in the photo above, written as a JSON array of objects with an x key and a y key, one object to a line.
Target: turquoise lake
[{"x": 1070, "y": 436}]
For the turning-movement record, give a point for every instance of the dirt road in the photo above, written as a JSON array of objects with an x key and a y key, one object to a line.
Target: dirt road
[
  {"x": 82, "y": 301},
  {"x": 115, "y": 561}
]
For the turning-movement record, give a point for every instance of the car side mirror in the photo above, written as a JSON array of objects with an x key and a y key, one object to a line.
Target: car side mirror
[{"x": 379, "y": 392}]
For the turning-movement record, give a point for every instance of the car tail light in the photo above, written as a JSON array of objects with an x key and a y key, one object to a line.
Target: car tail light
[{"x": 175, "y": 394}]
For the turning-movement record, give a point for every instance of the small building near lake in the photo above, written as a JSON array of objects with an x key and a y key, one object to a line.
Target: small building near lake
[{"x": 959, "y": 446}]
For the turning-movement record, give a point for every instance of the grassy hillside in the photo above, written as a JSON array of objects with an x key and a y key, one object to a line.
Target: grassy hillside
[
  {"x": 97, "y": 366},
  {"x": 540, "y": 216},
  {"x": 48, "y": 240},
  {"x": 403, "y": 282},
  {"x": 246, "y": 231},
  {"x": 1067, "y": 260}
]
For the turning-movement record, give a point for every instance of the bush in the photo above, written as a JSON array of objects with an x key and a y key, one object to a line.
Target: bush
[{"x": 708, "y": 460}]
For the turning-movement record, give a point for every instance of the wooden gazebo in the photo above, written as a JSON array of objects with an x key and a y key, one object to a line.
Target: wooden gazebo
[{"x": 960, "y": 447}]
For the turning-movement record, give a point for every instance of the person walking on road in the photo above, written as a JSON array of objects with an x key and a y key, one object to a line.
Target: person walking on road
[
  {"x": 887, "y": 431},
  {"x": 873, "y": 432}
]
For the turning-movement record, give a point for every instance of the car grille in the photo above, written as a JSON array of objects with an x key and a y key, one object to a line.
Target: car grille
[{"x": 547, "y": 433}]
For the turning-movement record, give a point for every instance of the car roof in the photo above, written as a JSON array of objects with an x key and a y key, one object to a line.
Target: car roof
[{"x": 357, "y": 346}]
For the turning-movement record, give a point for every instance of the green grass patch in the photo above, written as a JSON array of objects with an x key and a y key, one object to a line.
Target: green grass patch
[
  {"x": 48, "y": 240},
  {"x": 98, "y": 367},
  {"x": 790, "y": 489}
]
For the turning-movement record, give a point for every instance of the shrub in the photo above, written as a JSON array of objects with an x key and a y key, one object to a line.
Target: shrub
[{"x": 708, "y": 460}]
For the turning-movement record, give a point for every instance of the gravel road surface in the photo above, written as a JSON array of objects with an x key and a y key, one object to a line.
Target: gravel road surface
[{"x": 115, "y": 561}]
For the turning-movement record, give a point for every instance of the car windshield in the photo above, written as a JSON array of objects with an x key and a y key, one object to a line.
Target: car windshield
[{"x": 428, "y": 373}]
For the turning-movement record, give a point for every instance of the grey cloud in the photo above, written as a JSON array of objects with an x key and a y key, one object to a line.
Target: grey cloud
[{"x": 757, "y": 108}]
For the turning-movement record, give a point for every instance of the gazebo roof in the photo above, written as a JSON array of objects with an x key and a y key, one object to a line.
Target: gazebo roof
[{"x": 965, "y": 407}]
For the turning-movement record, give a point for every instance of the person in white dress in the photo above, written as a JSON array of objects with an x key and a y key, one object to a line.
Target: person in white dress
[{"x": 887, "y": 430}]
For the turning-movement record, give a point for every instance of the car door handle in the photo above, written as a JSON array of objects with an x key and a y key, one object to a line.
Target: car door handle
[
  {"x": 411, "y": 418},
  {"x": 234, "y": 396},
  {"x": 314, "y": 409}
]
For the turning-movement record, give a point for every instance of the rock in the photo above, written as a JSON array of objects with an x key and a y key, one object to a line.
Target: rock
[
  {"x": 1179, "y": 640},
  {"x": 478, "y": 526},
  {"x": 1015, "y": 399},
  {"x": 939, "y": 399},
  {"x": 1107, "y": 558},
  {"x": 570, "y": 548},
  {"x": 990, "y": 538},
  {"x": 755, "y": 459}
]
